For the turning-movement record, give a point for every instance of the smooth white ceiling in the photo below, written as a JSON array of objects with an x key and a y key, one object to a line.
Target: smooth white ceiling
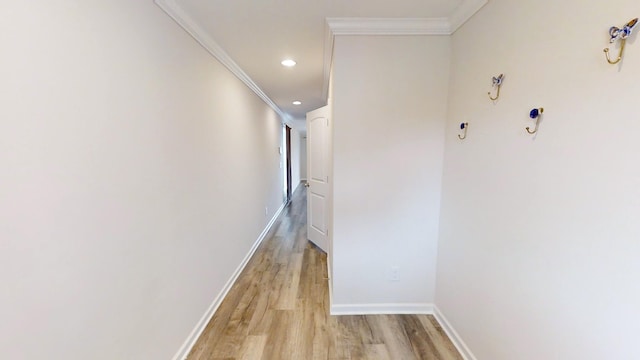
[{"x": 258, "y": 34}]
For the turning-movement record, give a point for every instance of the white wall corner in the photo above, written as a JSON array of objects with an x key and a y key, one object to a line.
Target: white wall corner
[
  {"x": 376, "y": 26},
  {"x": 457, "y": 341},
  {"x": 464, "y": 12},
  {"x": 411, "y": 309},
  {"x": 200, "y": 35},
  {"x": 381, "y": 309},
  {"x": 389, "y": 26},
  {"x": 186, "y": 347},
  {"x": 327, "y": 60},
  {"x": 330, "y": 284}
]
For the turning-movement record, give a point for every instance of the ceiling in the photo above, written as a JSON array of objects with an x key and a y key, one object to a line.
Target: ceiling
[{"x": 252, "y": 37}]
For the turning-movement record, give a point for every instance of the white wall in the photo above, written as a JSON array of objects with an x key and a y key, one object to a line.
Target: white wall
[
  {"x": 538, "y": 254},
  {"x": 389, "y": 106},
  {"x": 128, "y": 167},
  {"x": 295, "y": 159}
]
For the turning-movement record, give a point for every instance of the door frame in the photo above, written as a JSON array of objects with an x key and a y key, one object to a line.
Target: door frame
[{"x": 288, "y": 161}]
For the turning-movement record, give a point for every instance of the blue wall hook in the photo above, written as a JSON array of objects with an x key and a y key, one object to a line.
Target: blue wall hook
[
  {"x": 535, "y": 114},
  {"x": 464, "y": 127}
]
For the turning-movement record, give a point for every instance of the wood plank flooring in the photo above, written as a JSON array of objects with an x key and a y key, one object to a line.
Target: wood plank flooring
[{"x": 279, "y": 310}]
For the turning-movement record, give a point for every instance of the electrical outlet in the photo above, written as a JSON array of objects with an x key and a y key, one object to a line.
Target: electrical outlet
[
  {"x": 266, "y": 210},
  {"x": 394, "y": 273}
]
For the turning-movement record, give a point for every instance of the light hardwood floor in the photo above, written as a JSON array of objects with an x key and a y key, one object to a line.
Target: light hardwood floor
[{"x": 279, "y": 310}]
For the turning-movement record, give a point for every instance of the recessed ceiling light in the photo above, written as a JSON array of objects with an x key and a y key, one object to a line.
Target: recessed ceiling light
[
  {"x": 288, "y": 63},
  {"x": 297, "y": 102}
]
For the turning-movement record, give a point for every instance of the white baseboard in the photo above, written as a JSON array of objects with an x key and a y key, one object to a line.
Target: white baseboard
[
  {"x": 419, "y": 308},
  {"x": 197, "y": 331},
  {"x": 381, "y": 309},
  {"x": 463, "y": 349}
]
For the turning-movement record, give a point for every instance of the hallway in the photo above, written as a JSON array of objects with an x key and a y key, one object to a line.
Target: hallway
[{"x": 279, "y": 309}]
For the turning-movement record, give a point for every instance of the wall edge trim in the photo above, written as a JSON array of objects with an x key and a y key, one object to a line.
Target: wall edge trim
[
  {"x": 464, "y": 12},
  {"x": 327, "y": 60},
  {"x": 197, "y": 33},
  {"x": 453, "y": 335},
  {"x": 330, "y": 285},
  {"x": 186, "y": 347}
]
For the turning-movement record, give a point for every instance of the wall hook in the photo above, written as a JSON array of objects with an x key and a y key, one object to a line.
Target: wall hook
[
  {"x": 464, "y": 127},
  {"x": 496, "y": 82},
  {"x": 535, "y": 114},
  {"x": 622, "y": 34}
]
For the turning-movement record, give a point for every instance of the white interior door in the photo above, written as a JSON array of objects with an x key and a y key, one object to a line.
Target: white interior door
[{"x": 318, "y": 177}]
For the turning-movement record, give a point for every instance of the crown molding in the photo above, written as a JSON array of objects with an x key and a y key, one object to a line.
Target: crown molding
[
  {"x": 389, "y": 26},
  {"x": 333, "y": 27},
  {"x": 200, "y": 35},
  {"x": 393, "y": 26},
  {"x": 406, "y": 26},
  {"x": 464, "y": 12}
]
